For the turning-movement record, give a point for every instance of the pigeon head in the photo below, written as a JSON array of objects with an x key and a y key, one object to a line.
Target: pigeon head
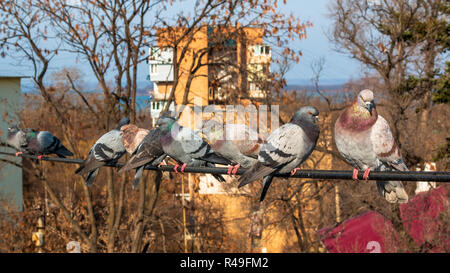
[
  {"x": 166, "y": 119},
  {"x": 309, "y": 113},
  {"x": 122, "y": 122},
  {"x": 129, "y": 129},
  {"x": 13, "y": 129},
  {"x": 365, "y": 100}
]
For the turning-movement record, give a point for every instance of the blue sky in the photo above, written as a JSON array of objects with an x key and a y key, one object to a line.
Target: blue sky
[{"x": 338, "y": 67}]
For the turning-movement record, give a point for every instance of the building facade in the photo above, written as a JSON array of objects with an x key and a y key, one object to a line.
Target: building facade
[{"x": 215, "y": 65}]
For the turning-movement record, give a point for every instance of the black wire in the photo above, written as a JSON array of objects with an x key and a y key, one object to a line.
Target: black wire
[{"x": 410, "y": 176}]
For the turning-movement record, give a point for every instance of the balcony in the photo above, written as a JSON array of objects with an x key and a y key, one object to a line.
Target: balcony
[
  {"x": 259, "y": 54},
  {"x": 160, "y": 62},
  {"x": 160, "y": 55}
]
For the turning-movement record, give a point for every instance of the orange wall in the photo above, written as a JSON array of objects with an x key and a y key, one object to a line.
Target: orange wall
[{"x": 199, "y": 85}]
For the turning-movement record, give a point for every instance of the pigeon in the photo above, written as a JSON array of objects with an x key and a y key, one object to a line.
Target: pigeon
[
  {"x": 286, "y": 148},
  {"x": 187, "y": 147},
  {"x": 239, "y": 149},
  {"x": 107, "y": 149},
  {"x": 44, "y": 143},
  {"x": 365, "y": 141},
  {"x": 149, "y": 151},
  {"x": 17, "y": 139},
  {"x": 132, "y": 136}
]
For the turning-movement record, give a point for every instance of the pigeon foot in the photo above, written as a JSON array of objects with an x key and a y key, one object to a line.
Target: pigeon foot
[
  {"x": 183, "y": 167},
  {"x": 366, "y": 174},
  {"x": 235, "y": 169},
  {"x": 294, "y": 171},
  {"x": 355, "y": 174},
  {"x": 230, "y": 168}
]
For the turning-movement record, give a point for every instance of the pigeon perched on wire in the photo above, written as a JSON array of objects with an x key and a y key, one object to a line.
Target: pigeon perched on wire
[
  {"x": 42, "y": 143},
  {"x": 365, "y": 140},
  {"x": 286, "y": 148},
  {"x": 108, "y": 149},
  {"x": 187, "y": 147},
  {"x": 236, "y": 142},
  {"x": 148, "y": 151},
  {"x": 17, "y": 139},
  {"x": 132, "y": 136}
]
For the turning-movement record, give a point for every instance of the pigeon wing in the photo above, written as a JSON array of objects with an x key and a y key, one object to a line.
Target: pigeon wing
[
  {"x": 282, "y": 147},
  {"x": 149, "y": 149},
  {"x": 384, "y": 145}
]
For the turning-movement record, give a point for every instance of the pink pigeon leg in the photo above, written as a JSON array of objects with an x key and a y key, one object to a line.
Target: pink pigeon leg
[
  {"x": 40, "y": 156},
  {"x": 236, "y": 168},
  {"x": 355, "y": 174},
  {"x": 366, "y": 174},
  {"x": 176, "y": 167},
  {"x": 162, "y": 164},
  {"x": 294, "y": 171},
  {"x": 183, "y": 167},
  {"x": 18, "y": 153},
  {"x": 230, "y": 168}
]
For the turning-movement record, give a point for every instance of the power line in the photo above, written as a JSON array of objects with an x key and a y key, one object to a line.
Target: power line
[{"x": 410, "y": 176}]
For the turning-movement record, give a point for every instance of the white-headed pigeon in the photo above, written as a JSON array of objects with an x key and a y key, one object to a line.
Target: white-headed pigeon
[{"x": 365, "y": 141}]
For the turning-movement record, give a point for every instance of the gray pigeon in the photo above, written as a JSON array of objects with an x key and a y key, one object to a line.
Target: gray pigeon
[
  {"x": 43, "y": 143},
  {"x": 149, "y": 151},
  {"x": 235, "y": 145},
  {"x": 17, "y": 139},
  {"x": 108, "y": 149},
  {"x": 187, "y": 147},
  {"x": 286, "y": 148},
  {"x": 365, "y": 141}
]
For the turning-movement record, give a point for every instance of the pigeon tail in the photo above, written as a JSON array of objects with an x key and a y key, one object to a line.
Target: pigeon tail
[
  {"x": 219, "y": 178},
  {"x": 392, "y": 191},
  {"x": 89, "y": 165},
  {"x": 214, "y": 158},
  {"x": 256, "y": 172},
  {"x": 91, "y": 177},
  {"x": 136, "y": 162},
  {"x": 137, "y": 176},
  {"x": 266, "y": 184},
  {"x": 63, "y": 152}
]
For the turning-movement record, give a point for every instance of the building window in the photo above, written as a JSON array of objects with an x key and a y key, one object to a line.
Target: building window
[
  {"x": 254, "y": 86},
  {"x": 153, "y": 69},
  {"x": 261, "y": 50}
]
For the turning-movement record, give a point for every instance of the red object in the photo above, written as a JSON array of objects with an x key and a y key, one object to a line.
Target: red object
[
  {"x": 372, "y": 233},
  {"x": 422, "y": 219}
]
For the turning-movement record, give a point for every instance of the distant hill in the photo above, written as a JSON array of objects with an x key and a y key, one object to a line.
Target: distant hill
[
  {"x": 145, "y": 86},
  {"x": 291, "y": 87}
]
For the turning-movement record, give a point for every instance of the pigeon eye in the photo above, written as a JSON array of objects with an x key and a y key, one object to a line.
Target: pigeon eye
[{"x": 310, "y": 113}]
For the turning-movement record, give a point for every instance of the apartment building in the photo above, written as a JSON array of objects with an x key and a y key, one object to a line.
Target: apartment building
[{"x": 214, "y": 65}]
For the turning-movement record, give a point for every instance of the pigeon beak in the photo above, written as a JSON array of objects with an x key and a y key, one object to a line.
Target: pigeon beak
[
  {"x": 370, "y": 106},
  {"x": 316, "y": 118}
]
